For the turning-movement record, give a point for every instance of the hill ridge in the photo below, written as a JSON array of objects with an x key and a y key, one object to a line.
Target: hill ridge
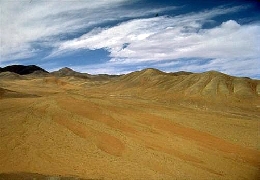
[{"x": 208, "y": 84}]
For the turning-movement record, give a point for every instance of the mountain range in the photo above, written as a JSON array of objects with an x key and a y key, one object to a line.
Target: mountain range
[
  {"x": 211, "y": 83},
  {"x": 147, "y": 124}
]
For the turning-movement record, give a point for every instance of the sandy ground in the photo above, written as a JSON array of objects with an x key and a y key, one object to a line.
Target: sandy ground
[{"x": 73, "y": 128}]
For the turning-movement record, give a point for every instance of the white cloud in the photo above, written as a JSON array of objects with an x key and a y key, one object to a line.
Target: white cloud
[
  {"x": 26, "y": 25},
  {"x": 166, "y": 38}
]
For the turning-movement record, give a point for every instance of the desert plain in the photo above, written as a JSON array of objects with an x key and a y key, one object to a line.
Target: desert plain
[{"x": 143, "y": 125}]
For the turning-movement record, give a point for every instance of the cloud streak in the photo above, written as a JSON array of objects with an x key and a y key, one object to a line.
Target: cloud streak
[
  {"x": 27, "y": 25},
  {"x": 165, "y": 38},
  {"x": 180, "y": 37},
  {"x": 130, "y": 36}
]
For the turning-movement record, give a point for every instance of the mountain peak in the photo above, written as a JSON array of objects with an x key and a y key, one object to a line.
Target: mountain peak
[
  {"x": 70, "y": 72},
  {"x": 151, "y": 71},
  {"x": 213, "y": 72},
  {"x": 66, "y": 69},
  {"x": 65, "y": 72}
]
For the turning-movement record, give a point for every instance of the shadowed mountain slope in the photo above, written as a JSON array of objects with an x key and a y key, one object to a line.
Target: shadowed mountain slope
[{"x": 21, "y": 69}]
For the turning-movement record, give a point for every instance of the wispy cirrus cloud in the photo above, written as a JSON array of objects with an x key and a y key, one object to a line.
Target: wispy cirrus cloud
[
  {"x": 29, "y": 26},
  {"x": 165, "y": 38},
  {"x": 132, "y": 35},
  {"x": 179, "y": 37}
]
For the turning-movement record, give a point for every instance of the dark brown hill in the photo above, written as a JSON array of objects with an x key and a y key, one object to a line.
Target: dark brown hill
[{"x": 21, "y": 69}]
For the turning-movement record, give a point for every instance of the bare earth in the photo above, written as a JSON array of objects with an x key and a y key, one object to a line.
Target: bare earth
[{"x": 144, "y": 125}]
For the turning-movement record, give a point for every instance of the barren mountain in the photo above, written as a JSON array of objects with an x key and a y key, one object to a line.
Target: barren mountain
[
  {"x": 21, "y": 69},
  {"x": 210, "y": 83},
  {"x": 144, "y": 125},
  {"x": 67, "y": 72},
  {"x": 201, "y": 90}
]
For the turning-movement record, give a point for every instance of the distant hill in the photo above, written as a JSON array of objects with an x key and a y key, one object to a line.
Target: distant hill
[
  {"x": 22, "y": 70},
  {"x": 207, "y": 84},
  {"x": 69, "y": 72},
  {"x": 10, "y": 75},
  {"x": 65, "y": 72},
  {"x": 211, "y": 83}
]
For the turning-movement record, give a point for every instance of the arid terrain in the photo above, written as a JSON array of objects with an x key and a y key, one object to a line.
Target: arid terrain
[{"x": 143, "y": 125}]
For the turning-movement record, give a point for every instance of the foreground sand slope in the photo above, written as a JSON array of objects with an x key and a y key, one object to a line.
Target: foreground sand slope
[{"x": 144, "y": 125}]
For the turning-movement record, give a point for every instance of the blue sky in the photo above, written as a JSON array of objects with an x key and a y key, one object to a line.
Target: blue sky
[{"x": 120, "y": 36}]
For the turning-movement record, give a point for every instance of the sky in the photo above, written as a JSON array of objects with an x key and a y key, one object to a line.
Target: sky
[{"x": 121, "y": 36}]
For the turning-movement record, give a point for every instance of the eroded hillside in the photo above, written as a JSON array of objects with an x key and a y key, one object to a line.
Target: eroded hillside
[{"x": 144, "y": 125}]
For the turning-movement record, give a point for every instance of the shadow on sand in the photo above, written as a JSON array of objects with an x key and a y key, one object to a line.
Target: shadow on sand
[{"x": 35, "y": 176}]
